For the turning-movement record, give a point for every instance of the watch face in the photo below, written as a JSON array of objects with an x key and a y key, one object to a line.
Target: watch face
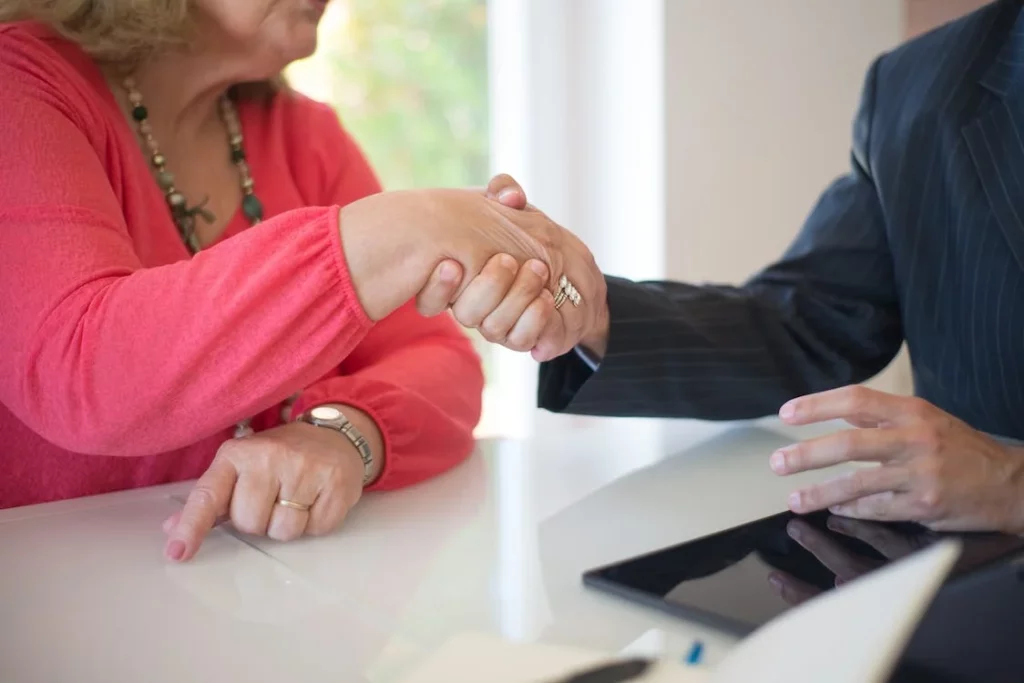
[{"x": 325, "y": 413}]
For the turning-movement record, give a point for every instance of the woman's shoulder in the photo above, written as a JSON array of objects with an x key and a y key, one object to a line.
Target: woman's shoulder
[
  {"x": 28, "y": 45},
  {"x": 36, "y": 61}
]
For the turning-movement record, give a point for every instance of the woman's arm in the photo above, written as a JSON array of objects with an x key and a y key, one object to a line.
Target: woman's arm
[
  {"x": 418, "y": 378},
  {"x": 101, "y": 354},
  {"x": 421, "y": 383}
]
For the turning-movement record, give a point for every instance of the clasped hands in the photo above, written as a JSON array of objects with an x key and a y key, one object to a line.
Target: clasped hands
[
  {"x": 500, "y": 262},
  {"x": 511, "y": 302}
]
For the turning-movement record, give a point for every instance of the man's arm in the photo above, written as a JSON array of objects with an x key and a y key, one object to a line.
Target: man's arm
[{"x": 825, "y": 315}]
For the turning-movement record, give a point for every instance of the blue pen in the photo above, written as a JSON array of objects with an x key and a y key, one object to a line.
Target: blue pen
[{"x": 695, "y": 652}]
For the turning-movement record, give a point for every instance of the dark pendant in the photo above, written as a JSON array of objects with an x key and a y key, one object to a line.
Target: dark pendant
[
  {"x": 140, "y": 113},
  {"x": 237, "y": 155},
  {"x": 252, "y": 207}
]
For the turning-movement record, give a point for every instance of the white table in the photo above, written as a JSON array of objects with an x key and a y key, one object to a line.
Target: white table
[{"x": 497, "y": 545}]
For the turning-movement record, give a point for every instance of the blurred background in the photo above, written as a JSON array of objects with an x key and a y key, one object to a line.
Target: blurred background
[{"x": 685, "y": 139}]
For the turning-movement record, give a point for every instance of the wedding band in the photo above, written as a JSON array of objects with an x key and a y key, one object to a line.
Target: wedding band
[
  {"x": 567, "y": 291},
  {"x": 293, "y": 505}
]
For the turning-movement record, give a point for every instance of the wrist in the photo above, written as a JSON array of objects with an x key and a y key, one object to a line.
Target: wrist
[
  {"x": 596, "y": 340},
  {"x": 389, "y": 258},
  {"x": 1015, "y": 523},
  {"x": 357, "y": 433}
]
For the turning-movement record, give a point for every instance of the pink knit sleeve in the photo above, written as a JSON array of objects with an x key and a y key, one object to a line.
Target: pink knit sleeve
[
  {"x": 418, "y": 378},
  {"x": 101, "y": 355}
]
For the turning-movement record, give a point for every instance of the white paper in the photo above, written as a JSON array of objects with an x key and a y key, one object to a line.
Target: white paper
[{"x": 854, "y": 634}]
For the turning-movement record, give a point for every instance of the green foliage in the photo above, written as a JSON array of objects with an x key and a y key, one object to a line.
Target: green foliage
[{"x": 409, "y": 80}]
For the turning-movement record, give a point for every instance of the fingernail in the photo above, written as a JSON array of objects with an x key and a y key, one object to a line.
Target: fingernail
[
  {"x": 837, "y": 510},
  {"x": 539, "y": 268},
  {"x": 778, "y": 461},
  {"x": 506, "y": 261},
  {"x": 175, "y": 550},
  {"x": 794, "y": 501},
  {"x": 448, "y": 272},
  {"x": 775, "y": 581},
  {"x": 788, "y": 410},
  {"x": 507, "y": 192}
]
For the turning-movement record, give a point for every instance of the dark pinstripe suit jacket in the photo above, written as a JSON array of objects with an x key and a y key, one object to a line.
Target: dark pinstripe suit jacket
[{"x": 922, "y": 240}]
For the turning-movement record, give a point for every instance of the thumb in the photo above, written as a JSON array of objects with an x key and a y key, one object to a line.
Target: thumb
[
  {"x": 507, "y": 191},
  {"x": 437, "y": 294}
]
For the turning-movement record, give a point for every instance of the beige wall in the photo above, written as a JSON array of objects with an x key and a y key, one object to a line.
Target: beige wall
[
  {"x": 760, "y": 98},
  {"x": 923, "y": 15}
]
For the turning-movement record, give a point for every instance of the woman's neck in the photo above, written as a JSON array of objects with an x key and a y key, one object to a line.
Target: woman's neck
[{"x": 180, "y": 92}]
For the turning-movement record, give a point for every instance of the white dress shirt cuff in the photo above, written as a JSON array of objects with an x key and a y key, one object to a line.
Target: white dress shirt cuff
[{"x": 587, "y": 357}]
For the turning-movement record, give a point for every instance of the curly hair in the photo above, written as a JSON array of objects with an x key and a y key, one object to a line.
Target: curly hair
[{"x": 109, "y": 30}]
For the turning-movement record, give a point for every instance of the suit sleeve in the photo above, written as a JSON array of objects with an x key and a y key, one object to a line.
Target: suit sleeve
[
  {"x": 825, "y": 315},
  {"x": 418, "y": 378}
]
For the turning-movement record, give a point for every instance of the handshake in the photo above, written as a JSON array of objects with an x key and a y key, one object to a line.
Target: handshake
[{"x": 501, "y": 266}]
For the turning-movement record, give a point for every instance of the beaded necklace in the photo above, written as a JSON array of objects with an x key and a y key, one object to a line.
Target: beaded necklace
[{"x": 185, "y": 216}]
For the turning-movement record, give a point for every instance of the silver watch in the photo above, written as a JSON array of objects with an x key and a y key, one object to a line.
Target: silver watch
[{"x": 329, "y": 417}]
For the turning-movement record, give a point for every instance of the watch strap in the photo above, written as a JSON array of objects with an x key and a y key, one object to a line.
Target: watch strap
[{"x": 344, "y": 426}]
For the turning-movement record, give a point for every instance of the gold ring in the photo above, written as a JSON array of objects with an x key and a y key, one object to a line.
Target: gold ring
[
  {"x": 567, "y": 291},
  {"x": 293, "y": 505}
]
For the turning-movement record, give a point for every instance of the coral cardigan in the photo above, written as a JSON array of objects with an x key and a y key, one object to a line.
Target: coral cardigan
[{"x": 124, "y": 362}]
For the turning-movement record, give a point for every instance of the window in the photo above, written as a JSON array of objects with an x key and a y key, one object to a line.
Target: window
[{"x": 409, "y": 79}]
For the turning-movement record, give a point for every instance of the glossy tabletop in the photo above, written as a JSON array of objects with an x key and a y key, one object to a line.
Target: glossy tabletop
[{"x": 497, "y": 545}]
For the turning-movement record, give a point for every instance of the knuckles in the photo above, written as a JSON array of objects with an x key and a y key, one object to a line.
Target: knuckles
[
  {"x": 859, "y": 399},
  {"x": 925, "y": 438}
]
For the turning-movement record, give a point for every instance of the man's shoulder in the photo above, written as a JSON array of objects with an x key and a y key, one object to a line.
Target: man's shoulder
[{"x": 928, "y": 65}]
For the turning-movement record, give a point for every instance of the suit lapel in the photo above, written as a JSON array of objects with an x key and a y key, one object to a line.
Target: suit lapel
[
  {"x": 995, "y": 139},
  {"x": 996, "y": 147}
]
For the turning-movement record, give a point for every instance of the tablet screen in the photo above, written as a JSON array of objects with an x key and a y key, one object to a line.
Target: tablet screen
[{"x": 743, "y": 577}]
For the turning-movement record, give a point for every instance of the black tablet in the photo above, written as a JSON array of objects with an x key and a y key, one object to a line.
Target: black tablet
[{"x": 741, "y": 578}]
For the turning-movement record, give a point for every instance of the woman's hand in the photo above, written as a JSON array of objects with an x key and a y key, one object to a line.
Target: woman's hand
[
  {"x": 511, "y": 304},
  {"x": 393, "y": 241},
  {"x": 297, "y": 462}
]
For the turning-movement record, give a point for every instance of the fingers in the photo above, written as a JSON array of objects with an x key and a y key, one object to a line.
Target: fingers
[
  {"x": 552, "y": 339},
  {"x": 852, "y": 445},
  {"x": 792, "y": 590},
  {"x": 506, "y": 190},
  {"x": 857, "y": 404},
  {"x": 887, "y": 506},
  {"x": 437, "y": 294},
  {"x": 252, "y": 500},
  {"x": 286, "y": 522},
  {"x": 845, "y": 565},
  {"x": 887, "y": 542},
  {"x": 330, "y": 509},
  {"x": 527, "y": 331},
  {"x": 483, "y": 294},
  {"x": 529, "y": 284},
  {"x": 849, "y": 487},
  {"x": 208, "y": 500}
]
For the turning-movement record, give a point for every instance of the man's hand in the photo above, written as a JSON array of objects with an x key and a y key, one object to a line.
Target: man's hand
[
  {"x": 932, "y": 468},
  {"x": 511, "y": 304}
]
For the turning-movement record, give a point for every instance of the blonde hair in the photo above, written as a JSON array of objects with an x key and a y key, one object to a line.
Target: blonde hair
[
  {"x": 120, "y": 33},
  {"x": 112, "y": 31}
]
